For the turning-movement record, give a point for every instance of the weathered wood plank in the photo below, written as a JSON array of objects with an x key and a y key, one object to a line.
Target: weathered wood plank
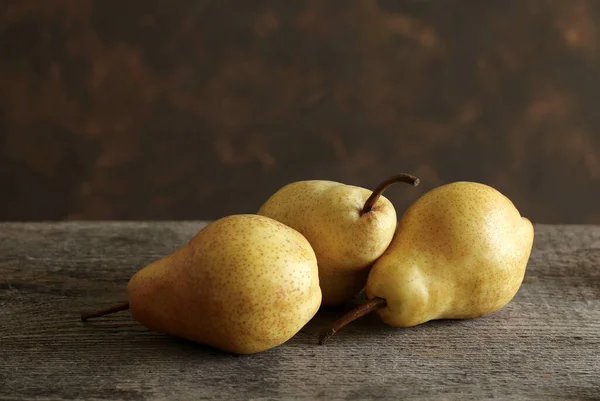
[{"x": 543, "y": 345}]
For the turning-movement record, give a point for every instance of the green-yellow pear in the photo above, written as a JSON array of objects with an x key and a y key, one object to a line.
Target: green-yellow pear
[
  {"x": 348, "y": 227},
  {"x": 460, "y": 251},
  {"x": 243, "y": 284}
]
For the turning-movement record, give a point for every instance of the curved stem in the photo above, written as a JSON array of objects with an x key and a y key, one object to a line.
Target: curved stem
[
  {"x": 402, "y": 177},
  {"x": 115, "y": 308},
  {"x": 351, "y": 316}
]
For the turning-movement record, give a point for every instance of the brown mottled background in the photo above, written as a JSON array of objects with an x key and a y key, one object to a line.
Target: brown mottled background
[{"x": 190, "y": 109}]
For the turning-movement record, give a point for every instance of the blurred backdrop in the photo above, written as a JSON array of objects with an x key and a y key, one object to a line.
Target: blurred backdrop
[{"x": 191, "y": 109}]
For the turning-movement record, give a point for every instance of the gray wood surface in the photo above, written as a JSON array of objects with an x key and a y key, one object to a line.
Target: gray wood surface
[{"x": 543, "y": 345}]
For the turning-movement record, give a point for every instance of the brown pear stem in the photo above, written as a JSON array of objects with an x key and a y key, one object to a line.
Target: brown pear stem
[
  {"x": 115, "y": 308},
  {"x": 402, "y": 177},
  {"x": 351, "y": 316}
]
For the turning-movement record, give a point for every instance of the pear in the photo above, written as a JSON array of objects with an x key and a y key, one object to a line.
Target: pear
[
  {"x": 349, "y": 227},
  {"x": 243, "y": 284},
  {"x": 460, "y": 251}
]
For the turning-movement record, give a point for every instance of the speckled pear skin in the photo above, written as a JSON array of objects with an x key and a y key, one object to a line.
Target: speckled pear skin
[
  {"x": 460, "y": 251},
  {"x": 243, "y": 284},
  {"x": 346, "y": 243}
]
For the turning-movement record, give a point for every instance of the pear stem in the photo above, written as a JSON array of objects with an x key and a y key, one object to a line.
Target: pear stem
[
  {"x": 115, "y": 308},
  {"x": 359, "y": 311},
  {"x": 402, "y": 177}
]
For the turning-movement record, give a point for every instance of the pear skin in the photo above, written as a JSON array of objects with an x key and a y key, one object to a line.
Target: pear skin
[
  {"x": 243, "y": 284},
  {"x": 346, "y": 240},
  {"x": 460, "y": 251}
]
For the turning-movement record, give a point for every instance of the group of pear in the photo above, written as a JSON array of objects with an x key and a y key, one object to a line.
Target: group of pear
[{"x": 249, "y": 282}]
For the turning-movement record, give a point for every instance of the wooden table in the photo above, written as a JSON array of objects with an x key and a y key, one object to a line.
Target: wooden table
[{"x": 543, "y": 345}]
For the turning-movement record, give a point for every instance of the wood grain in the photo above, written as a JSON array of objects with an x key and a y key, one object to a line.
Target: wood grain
[{"x": 543, "y": 345}]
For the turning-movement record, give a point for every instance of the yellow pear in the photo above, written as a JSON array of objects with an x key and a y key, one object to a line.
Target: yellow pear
[
  {"x": 349, "y": 227},
  {"x": 460, "y": 251},
  {"x": 243, "y": 284}
]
